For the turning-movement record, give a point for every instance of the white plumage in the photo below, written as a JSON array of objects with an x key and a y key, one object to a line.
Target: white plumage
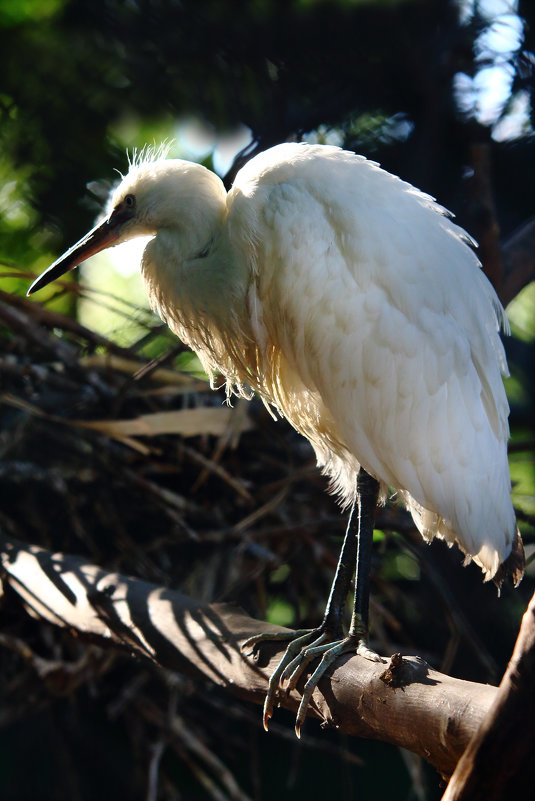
[{"x": 352, "y": 303}]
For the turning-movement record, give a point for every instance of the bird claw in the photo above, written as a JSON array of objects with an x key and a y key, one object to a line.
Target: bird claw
[
  {"x": 295, "y": 669},
  {"x": 305, "y": 645},
  {"x": 329, "y": 653},
  {"x": 266, "y": 717},
  {"x": 368, "y": 653},
  {"x": 298, "y": 639},
  {"x": 270, "y": 636}
]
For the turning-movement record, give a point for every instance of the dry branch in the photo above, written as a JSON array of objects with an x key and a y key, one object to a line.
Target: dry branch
[
  {"x": 412, "y": 706},
  {"x": 497, "y": 763}
]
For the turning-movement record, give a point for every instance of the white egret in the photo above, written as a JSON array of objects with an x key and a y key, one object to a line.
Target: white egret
[{"x": 350, "y": 302}]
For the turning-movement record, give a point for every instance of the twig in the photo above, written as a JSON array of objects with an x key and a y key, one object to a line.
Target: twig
[
  {"x": 200, "y": 753},
  {"x": 158, "y": 749}
]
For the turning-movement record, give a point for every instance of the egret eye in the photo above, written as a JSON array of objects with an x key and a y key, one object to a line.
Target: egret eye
[{"x": 130, "y": 201}]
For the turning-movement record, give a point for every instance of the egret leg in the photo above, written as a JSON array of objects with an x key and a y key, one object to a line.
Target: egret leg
[
  {"x": 356, "y": 640},
  {"x": 327, "y": 640},
  {"x": 330, "y": 629},
  {"x": 367, "y": 495}
]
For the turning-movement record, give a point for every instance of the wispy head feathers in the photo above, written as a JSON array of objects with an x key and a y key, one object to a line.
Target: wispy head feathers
[{"x": 149, "y": 153}]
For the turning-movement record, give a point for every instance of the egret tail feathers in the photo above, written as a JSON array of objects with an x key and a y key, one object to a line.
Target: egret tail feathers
[{"x": 514, "y": 565}]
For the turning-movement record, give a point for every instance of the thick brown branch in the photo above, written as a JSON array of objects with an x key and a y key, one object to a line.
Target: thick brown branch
[
  {"x": 499, "y": 759},
  {"x": 422, "y": 710}
]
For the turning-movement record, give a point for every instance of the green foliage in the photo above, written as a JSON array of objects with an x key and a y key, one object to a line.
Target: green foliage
[
  {"x": 17, "y": 12},
  {"x": 280, "y": 613},
  {"x": 521, "y": 314},
  {"x": 400, "y": 566}
]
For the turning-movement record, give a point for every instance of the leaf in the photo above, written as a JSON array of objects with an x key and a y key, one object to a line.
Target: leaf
[{"x": 186, "y": 422}]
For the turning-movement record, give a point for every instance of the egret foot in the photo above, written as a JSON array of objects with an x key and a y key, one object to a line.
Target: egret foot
[
  {"x": 305, "y": 646},
  {"x": 297, "y": 647},
  {"x": 329, "y": 653}
]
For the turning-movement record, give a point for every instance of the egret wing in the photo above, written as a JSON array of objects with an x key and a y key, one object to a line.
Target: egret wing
[{"x": 380, "y": 342}]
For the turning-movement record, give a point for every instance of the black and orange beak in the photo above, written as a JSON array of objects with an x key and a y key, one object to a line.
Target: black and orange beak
[{"x": 102, "y": 236}]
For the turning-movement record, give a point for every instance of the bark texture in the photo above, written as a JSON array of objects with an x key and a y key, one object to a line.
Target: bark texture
[
  {"x": 403, "y": 701},
  {"x": 498, "y": 761}
]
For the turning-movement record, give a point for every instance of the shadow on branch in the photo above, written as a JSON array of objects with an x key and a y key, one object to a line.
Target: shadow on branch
[{"x": 420, "y": 709}]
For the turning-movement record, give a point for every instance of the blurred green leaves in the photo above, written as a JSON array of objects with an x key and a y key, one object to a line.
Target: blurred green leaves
[
  {"x": 280, "y": 612},
  {"x": 16, "y": 12}
]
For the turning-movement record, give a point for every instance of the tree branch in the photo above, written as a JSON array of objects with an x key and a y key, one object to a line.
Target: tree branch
[
  {"x": 409, "y": 704},
  {"x": 498, "y": 762}
]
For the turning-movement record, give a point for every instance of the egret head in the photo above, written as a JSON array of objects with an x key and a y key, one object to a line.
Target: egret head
[{"x": 154, "y": 195}]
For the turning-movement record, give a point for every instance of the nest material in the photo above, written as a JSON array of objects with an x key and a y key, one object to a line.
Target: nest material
[{"x": 146, "y": 471}]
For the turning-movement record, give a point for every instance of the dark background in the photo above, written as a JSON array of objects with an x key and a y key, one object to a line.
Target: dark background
[{"x": 81, "y": 82}]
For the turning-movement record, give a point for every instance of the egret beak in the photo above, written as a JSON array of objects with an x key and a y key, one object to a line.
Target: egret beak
[{"x": 102, "y": 236}]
